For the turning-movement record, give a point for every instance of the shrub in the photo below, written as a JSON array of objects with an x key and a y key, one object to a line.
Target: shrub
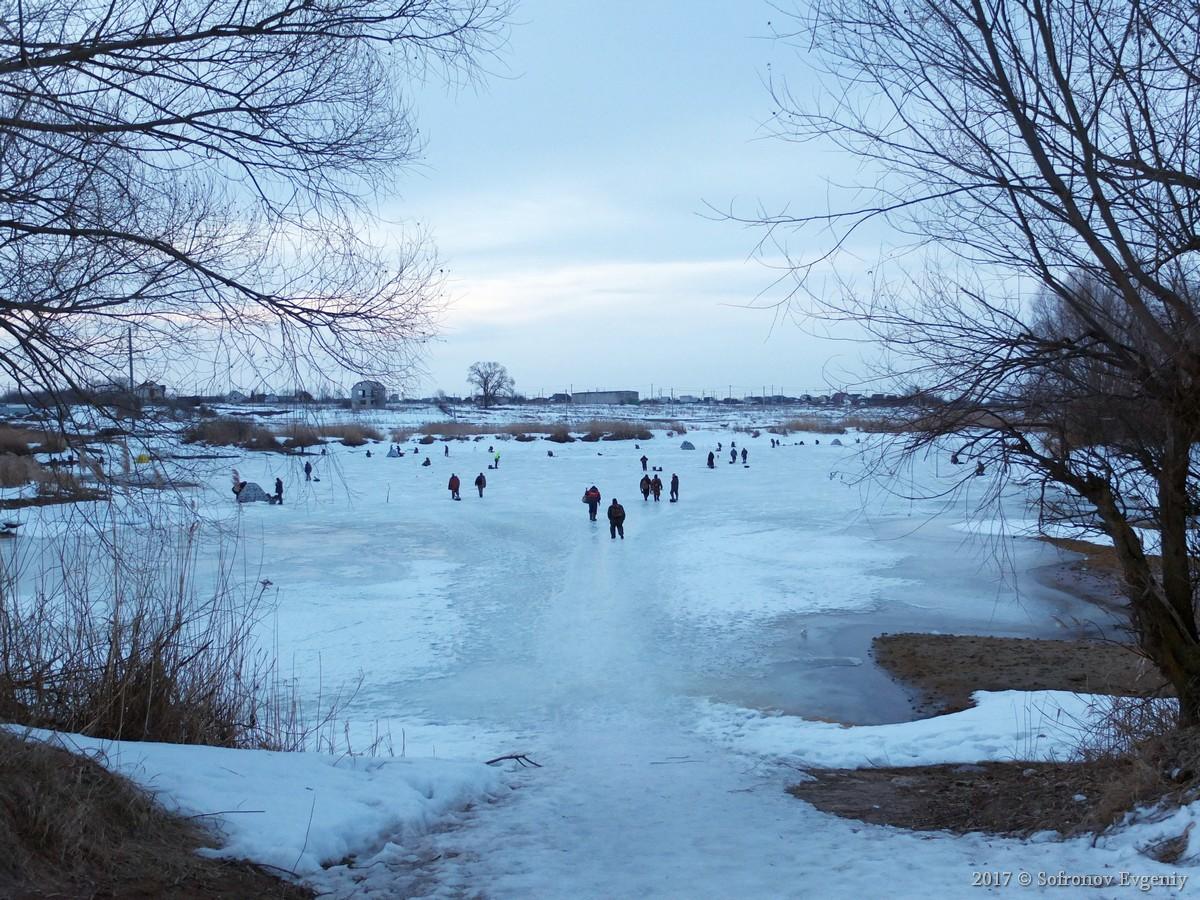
[
  {"x": 400, "y": 435},
  {"x": 18, "y": 470},
  {"x": 52, "y": 442},
  {"x": 560, "y": 435},
  {"x": 525, "y": 438},
  {"x": 592, "y": 436},
  {"x": 230, "y": 432},
  {"x": 427, "y": 440},
  {"x": 813, "y": 424},
  {"x": 113, "y": 639},
  {"x": 14, "y": 440},
  {"x": 352, "y": 435},
  {"x": 299, "y": 435}
]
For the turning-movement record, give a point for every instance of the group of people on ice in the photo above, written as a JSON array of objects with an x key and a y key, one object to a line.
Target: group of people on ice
[
  {"x": 616, "y": 512},
  {"x": 455, "y": 484},
  {"x": 733, "y": 456},
  {"x": 654, "y": 486}
]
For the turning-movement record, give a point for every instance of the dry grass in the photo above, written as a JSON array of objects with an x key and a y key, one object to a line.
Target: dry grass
[
  {"x": 70, "y": 828},
  {"x": 18, "y": 470},
  {"x": 114, "y": 639},
  {"x": 231, "y": 432},
  {"x": 400, "y": 435},
  {"x": 814, "y": 424},
  {"x": 352, "y": 435},
  {"x": 298, "y": 435}
]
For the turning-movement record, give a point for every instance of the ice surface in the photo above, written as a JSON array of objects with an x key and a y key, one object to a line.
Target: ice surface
[{"x": 646, "y": 675}]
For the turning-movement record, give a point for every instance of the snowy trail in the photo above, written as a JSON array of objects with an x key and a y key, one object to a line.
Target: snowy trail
[{"x": 511, "y": 623}]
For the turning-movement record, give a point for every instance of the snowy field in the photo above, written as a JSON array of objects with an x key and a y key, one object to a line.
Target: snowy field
[{"x": 670, "y": 685}]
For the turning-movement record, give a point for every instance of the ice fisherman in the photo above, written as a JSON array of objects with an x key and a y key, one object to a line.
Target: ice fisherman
[
  {"x": 447, "y": 449},
  {"x": 616, "y": 520},
  {"x": 711, "y": 460},
  {"x": 278, "y": 498},
  {"x": 674, "y": 488},
  {"x": 732, "y": 455},
  {"x": 480, "y": 483},
  {"x": 308, "y": 471},
  {"x": 454, "y": 486},
  {"x": 656, "y": 488},
  {"x": 643, "y": 461},
  {"x": 644, "y": 486},
  {"x": 745, "y": 453},
  {"x": 592, "y": 498}
]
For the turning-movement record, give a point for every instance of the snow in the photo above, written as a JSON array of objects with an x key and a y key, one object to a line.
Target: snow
[
  {"x": 670, "y": 684},
  {"x": 295, "y": 811},
  {"x": 1002, "y": 726}
]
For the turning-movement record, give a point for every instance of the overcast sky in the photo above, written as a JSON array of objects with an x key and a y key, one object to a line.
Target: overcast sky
[{"x": 568, "y": 199}]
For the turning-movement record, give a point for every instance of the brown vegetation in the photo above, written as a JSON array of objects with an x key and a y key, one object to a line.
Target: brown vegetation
[
  {"x": 299, "y": 435},
  {"x": 354, "y": 435},
  {"x": 70, "y": 828},
  {"x": 227, "y": 431}
]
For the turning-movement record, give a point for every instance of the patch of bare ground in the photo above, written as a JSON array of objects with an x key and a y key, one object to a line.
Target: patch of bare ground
[
  {"x": 948, "y": 668},
  {"x": 1148, "y": 763},
  {"x": 1014, "y": 798},
  {"x": 71, "y": 828}
]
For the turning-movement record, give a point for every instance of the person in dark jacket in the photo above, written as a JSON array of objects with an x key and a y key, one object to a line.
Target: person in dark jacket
[
  {"x": 592, "y": 498},
  {"x": 732, "y": 455},
  {"x": 481, "y": 483},
  {"x": 308, "y": 471},
  {"x": 674, "y": 487},
  {"x": 644, "y": 487},
  {"x": 643, "y": 461},
  {"x": 616, "y": 520},
  {"x": 454, "y": 485},
  {"x": 711, "y": 460},
  {"x": 745, "y": 453},
  {"x": 656, "y": 488},
  {"x": 278, "y": 498}
]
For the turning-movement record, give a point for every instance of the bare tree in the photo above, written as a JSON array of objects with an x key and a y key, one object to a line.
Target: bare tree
[
  {"x": 204, "y": 173},
  {"x": 491, "y": 380},
  {"x": 1027, "y": 145}
]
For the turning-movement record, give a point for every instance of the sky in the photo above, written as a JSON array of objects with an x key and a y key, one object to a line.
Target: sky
[{"x": 571, "y": 196}]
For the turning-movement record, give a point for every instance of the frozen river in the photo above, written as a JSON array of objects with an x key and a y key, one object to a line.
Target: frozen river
[{"x": 512, "y": 624}]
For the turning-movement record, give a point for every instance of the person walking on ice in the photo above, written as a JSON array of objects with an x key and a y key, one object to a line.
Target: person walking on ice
[
  {"x": 711, "y": 460},
  {"x": 308, "y": 471},
  {"x": 481, "y": 483},
  {"x": 616, "y": 520},
  {"x": 278, "y": 498},
  {"x": 732, "y": 455},
  {"x": 643, "y": 461},
  {"x": 656, "y": 488},
  {"x": 454, "y": 485},
  {"x": 592, "y": 498},
  {"x": 674, "y": 488},
  {"x": 745, "y": 453},
  {"x": 644, "y": 487}
]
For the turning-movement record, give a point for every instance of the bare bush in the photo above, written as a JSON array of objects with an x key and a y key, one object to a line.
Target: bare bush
[
  {"x": 116, "y": 639},
  {"x": 14, "y": 440},
  {"x": 18, "y": 470},
  {"x": 352, "y": 435},
  {"x": 231, "y": 432},
  {"x": 560, "y": 434},
  {"x": 299, "y": 435},
  {"x": 400, "y": 435}
]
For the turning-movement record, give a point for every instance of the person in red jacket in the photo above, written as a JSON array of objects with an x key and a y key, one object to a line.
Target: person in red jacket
[
  {"x": 592, "y": 498},
  {"x": 454, "y": 486}
]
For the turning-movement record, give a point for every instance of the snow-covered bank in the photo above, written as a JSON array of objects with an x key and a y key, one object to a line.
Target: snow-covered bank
[{"x": 298, "y": 812}]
